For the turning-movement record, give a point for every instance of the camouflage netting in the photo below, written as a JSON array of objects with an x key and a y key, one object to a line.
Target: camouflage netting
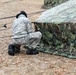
[
  {"x": 52, "y": 3},
  {"x": 58, "y": 26}
]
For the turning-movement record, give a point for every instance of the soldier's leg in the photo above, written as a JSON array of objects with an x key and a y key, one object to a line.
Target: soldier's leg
[
  {"x": 32, "y": 46},
  {"x": 33, "y": 43},
  {"x": 17, "y": 45}
]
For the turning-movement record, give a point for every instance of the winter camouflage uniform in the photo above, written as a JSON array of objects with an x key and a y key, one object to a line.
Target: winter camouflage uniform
[{"x": 23, "y": 33}]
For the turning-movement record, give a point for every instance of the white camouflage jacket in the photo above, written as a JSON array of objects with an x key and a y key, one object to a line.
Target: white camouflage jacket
[{"x": 21, "y": 27}]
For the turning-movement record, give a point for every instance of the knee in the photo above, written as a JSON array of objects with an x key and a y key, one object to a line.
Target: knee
[{"x": 40, "y": 34}]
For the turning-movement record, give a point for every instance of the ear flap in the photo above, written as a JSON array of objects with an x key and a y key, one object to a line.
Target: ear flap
[{"x": 17, "y": 15}]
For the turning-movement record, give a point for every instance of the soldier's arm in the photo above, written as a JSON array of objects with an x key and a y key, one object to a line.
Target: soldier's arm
[{"x": 29, "y": 27}]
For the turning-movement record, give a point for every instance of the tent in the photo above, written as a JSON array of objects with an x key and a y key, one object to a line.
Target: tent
[{"x": 58, "y": 27}]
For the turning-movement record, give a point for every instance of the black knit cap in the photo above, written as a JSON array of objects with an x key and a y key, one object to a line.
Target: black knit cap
[{"x": 22, "y": 12}]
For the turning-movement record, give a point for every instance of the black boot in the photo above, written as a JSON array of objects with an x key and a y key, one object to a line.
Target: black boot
[
  {"x": 17, "y": 48},
  {"x": 11, "y": 50},
  {"x": 32, "y": 52},
  {"x": 35, "y": 51}
]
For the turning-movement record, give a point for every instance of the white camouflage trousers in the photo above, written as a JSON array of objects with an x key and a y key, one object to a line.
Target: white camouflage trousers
[{"x": 31, "y": 40}]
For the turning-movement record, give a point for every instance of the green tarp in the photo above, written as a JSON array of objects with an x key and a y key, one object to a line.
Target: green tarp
[{"x": 58, "y": 26}]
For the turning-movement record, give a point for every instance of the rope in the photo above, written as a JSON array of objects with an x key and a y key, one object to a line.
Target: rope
[
  {"x": 9, "y": 1},
  {"x": 5, "y": 29},
  {"x": 27, "y": 14},
  {"x": 5, "y": 36}
]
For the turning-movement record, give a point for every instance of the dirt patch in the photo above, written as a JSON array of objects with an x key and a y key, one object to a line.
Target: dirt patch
[{"x": 22, "y": 64}]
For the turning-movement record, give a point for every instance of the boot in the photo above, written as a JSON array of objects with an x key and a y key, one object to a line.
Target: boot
[
  {"x": 11, "y": 50},
  {"x": 32, "y": 52},
  {"x": 35, "y": 51},
  {"x": 17, "y": 48}
]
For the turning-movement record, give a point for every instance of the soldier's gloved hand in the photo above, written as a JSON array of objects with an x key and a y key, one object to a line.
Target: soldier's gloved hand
[{"x": 37, "y": 29}]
